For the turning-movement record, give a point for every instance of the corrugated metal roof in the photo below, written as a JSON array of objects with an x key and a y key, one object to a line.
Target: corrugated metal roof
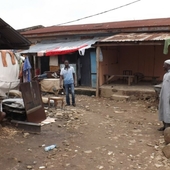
[
  {"x": 10, "y": 38},
  {"x": 101, "y": 26},
  {"x": 30, "y": 28},
  {"x": 39, "y": 47},
  {"x": 128, "y": 37},
  {"x": 43, "y": 47}
]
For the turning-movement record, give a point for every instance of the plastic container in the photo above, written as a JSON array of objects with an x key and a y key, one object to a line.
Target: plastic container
[{"x": 48, "y": 148}]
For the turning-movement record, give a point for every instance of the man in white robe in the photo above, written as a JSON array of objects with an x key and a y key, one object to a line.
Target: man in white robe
[{"x": 164, "y": 102}]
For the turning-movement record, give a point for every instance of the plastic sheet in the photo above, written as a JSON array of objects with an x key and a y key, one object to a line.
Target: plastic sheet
[{"x": 8, "y": 75}]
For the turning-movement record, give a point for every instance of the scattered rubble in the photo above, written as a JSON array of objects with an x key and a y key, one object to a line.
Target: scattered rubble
[
  {"x": 8, "y": 132},
  {"x": 26, "y": 135},
  {"x": 42, "y": 167},
  {"x": 167, "y": 135},
  {"x": 29, "y": 167},
  {"x": 120, "y": 97},
  {"x": 65, "y": 114},
  {"x": 166, "y": 151}
]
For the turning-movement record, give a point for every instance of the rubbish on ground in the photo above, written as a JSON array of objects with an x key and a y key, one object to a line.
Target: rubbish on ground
[
  {"x": 110, "y": 153},
  {"x": 88, "y": 151},
  {"x": 167, "y": 135},
  {"x": 48, "y": 148},
  {"x": 14, "y": 109},
  {"x": 29, "y": 167},
  {"x": 59, "y": 125},
  {"x": 26, "y": 134},
  {"x": 100, "y": 167},
  {"x": 48, "y": 121}
]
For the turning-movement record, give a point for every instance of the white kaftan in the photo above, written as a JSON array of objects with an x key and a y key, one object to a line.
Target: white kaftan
[{"x": 164, "y": 102}]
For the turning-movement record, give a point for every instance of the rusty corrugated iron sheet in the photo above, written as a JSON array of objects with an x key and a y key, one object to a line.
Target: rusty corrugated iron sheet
[
  {"x": 128, "y": 37},
  {"x": 163, "y": 22}
]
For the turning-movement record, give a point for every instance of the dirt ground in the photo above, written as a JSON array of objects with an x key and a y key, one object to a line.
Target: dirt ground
[{"x": 96, "y": 134}]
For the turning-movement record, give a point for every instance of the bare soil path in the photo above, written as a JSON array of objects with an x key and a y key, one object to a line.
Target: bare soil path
[{"x": 96, "y": 134}]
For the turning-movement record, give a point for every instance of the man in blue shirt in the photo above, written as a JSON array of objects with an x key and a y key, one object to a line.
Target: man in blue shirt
[{"x": 67, "y": 74}]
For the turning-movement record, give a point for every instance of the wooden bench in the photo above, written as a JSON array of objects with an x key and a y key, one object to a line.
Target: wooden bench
[
  {"x": 56, "y": 99},
  {"x": 153, "y": 78},
  {"x": 110, "y": 77}
]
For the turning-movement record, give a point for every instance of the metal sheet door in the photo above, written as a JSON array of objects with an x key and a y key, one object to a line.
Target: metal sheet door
[{"x": 93, "y": 69}]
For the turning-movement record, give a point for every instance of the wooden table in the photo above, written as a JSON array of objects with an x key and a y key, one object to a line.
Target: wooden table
[
  {"x": 108, "y": 77},
  {"x": 154, "y": 79}
]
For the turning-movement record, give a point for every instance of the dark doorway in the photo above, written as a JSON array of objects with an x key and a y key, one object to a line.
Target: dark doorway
[
  {"x": 44, "y": 64},
  {"x": 85, "y": 69}
]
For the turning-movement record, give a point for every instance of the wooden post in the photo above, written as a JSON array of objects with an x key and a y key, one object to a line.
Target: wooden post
[
  {"x": 98, "y": 73},
  {"x": 129, "y": 80}
]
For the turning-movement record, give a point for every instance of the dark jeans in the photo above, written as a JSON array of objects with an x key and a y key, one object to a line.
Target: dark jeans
[{"x": 71, "y": 87}]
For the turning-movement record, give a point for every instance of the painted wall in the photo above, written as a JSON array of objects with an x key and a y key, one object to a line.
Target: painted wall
[{"x": 144, "y": 59}]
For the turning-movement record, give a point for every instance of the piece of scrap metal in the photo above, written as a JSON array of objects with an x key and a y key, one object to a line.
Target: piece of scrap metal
[
  {"x": 33, "y": 102},
  {"x": 27, "y": 126}
]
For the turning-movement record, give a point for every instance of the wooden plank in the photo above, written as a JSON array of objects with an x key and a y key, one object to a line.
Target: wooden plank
[
  {"x": 120, "y": 75},
  {"x": 124, "y": 76},
  {"x": 111, "y": 77},
  {"x": 98, "y": 73},
  {"x": 153, "y": 77}
]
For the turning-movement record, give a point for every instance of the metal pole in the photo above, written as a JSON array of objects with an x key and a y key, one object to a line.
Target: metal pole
[
  {"x": 34, "y": 60},
  {"x": 9, "y": 89}
]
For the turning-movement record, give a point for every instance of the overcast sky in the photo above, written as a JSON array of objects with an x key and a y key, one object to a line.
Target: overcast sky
[{"x": 26, "y": 13}]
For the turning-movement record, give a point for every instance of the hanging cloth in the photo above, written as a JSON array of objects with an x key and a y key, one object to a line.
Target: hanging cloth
[
  {"x": 166, "y": 45},
  {"x": 3, "y": 57},
  {"x": 27, "y": 70}
]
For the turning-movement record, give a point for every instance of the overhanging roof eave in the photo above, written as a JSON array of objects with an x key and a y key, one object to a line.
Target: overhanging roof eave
[
  {"x": 80, "y": 44},
  {"x": 131, "y": 43},
  {"x": 11, "y": 39}
]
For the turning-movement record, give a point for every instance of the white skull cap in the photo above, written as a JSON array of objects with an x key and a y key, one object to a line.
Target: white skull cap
[{"x": 167, "y": 61}]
